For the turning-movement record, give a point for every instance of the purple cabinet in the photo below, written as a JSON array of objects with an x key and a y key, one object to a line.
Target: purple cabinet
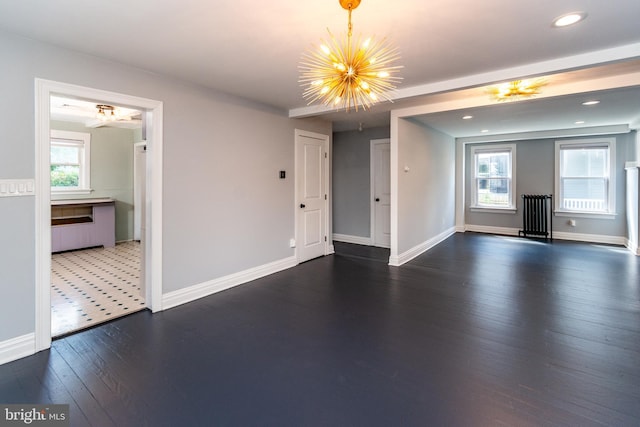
[{"x": 84, "y": 223}]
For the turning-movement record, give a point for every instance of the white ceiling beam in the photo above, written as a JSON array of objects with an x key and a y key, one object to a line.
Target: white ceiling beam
[{"x": 569, "y": 63}]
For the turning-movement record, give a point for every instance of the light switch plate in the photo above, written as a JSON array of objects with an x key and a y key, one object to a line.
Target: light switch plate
[{"x": 17, "y": 187}]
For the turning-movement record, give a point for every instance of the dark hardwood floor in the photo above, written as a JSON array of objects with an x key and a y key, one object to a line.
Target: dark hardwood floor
[{"x": 479, "y": 331}]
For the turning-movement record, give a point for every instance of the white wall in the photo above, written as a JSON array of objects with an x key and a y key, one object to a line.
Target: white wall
[
  {"x": 426, "y": 193},
  {"x": 224, "y": 208}
]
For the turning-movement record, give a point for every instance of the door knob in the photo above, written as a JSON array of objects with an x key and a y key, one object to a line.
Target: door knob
[
  {"x": 377, "y": 199},
  {"x": 302, "y": 206}
]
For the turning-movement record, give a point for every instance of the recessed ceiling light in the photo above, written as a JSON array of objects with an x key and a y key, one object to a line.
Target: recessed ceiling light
[
  {"x": 594, "y": 102},
  {"x": 580, "y": 122},
  {"x": 467, "y": 117},
  {"x": 569, "y": 19},
  {"x": 484, "y": 130}
]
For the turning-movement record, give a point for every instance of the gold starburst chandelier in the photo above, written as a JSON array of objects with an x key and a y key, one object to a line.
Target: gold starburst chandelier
[
  {"x": 516, "y": 89},
  {"x": 347, "y": 75}
]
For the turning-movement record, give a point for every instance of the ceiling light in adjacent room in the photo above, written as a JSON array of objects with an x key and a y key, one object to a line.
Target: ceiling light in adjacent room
[
  {"x": 347, "y": 75},
  {"x": 109, "y": 113},
  {"x": 569, "y": 19},
  {"x": 106, "y": 112},
  {"x": 516, "y": 89}
]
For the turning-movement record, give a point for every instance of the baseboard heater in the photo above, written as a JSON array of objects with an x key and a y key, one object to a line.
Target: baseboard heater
[{"x": 537, "y": 216}]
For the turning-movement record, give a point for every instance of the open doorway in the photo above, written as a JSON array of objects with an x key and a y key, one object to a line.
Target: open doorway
[
  {"x": 95, "y": 264},
  {"x": 150, "y": 247}
]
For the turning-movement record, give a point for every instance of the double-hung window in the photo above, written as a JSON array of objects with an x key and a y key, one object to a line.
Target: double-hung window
[
  {"x": 70, "y": 162},
  {"x": 585, "y": 178},
  {"x": 493, "y": 184}
]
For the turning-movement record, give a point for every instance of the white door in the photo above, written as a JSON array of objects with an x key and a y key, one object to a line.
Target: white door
[
  {"x": 381, "y": 192},
  {"x": 311, "y": 195}
]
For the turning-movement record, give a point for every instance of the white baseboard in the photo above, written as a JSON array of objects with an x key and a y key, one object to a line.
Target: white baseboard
[
  {"x": 633, "y": 247},
  {"x": 559, "y": 235},
  {"x": 16, "y": 348},
  {"x": 192, "y": 293},
  {"x": 590, "y": 238},
  {"x": 491, "y": 230},
  {"x": 420, "y": 249},
  {"x": 346, "y": 238}
]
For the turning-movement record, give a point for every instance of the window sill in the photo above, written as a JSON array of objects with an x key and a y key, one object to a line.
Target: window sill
[
  {"x": 62, "y": 194},
  {"x": 592, "y": 215},
  {"x": 511, "y": 211}
]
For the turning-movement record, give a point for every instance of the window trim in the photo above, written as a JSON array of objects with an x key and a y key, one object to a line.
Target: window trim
[
  {"x": 82, "y": 139},
  {"x": 610, "y": 143},
  {"x": 493, "y": 148}
]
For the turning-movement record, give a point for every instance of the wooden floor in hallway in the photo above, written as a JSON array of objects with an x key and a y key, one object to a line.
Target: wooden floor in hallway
[{"x": 479, "y": 331}]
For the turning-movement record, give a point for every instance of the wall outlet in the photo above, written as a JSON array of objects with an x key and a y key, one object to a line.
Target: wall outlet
[{"x": 292, "y": 243}]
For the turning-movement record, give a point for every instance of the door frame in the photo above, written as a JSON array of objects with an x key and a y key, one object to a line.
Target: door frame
[
  {"x": 325, "y": 183},
  {"x": 152, "y": 263},
  {"x": 137, "y": 222},
  {"x": 372, "y": 178}
]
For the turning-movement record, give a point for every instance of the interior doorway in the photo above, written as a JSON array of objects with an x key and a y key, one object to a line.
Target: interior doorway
[
  {"x": 95, "y": 265},
  {"x": 151, "y": 248},
  {"x": 381, "y": 192}
]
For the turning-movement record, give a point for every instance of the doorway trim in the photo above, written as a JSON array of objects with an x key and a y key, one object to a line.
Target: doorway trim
[
  {"x": 372, "y": 187},
  {"x": 153, "y": 244},
  {"x": 325, "y": 182}
]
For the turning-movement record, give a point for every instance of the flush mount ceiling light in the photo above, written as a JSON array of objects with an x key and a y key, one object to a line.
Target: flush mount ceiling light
[
  {"x": 516, "y": 89},
  {"x": 106, "y": 112},
  {"x": 109, "y": 113},
  {"x": 569, "y": 19},
  {"x": 347, "y": 75},
  {"x": 588, "y": 103}
]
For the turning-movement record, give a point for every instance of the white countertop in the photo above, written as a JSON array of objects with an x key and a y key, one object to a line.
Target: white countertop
[{"x": 82, "y": 201}]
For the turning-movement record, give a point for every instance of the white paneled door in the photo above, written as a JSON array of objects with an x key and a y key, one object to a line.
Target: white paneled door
[
  {"x": 381, "y": 192},
  {"x": 311, "y": 195}
]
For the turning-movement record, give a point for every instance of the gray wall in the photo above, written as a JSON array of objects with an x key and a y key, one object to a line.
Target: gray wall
[
  {"x": 426, "y": 193},
  {"x": 111, "y": 170},
  {"x": 535, "y": 170},
  {"x": 351, "y": 180},
  {"x": 224, "y": 208}
]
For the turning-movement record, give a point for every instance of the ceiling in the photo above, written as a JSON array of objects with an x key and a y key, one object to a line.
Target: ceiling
[{"x": 449, "y": 50}]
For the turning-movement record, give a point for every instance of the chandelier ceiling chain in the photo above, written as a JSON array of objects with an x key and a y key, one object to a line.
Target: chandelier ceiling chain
[{"x": 347, "y": 76}]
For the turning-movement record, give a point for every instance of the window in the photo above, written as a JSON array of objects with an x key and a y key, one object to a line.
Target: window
[
  {"x": 494, "y": 177},
  {"x": 70, "y": 162},
  {"x": 584, "y": 179}
]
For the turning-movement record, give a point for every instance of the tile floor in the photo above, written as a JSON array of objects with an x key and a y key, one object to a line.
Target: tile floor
[{"x": 91, "y": 286}]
